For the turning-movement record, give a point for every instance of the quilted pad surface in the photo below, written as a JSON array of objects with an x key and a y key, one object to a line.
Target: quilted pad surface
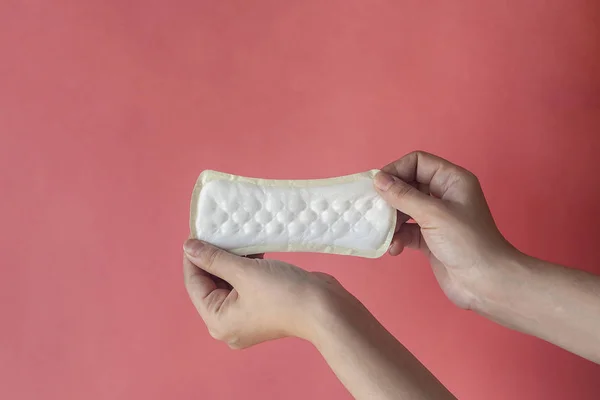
[{"x": 342, "y": 215}]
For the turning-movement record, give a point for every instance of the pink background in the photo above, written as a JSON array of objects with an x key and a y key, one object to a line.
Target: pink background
[{"x": 110, "y": 109}]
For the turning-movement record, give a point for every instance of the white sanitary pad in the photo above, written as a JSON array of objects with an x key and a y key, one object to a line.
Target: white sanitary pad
[{"x": 343, "y": 215}]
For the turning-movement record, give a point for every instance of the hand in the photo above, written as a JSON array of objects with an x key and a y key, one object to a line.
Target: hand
[
  {"x": 245, "y": 301},
  {"x": 454, "y": 226}
]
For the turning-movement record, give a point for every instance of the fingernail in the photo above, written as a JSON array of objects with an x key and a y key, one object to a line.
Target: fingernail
[
  {"x": 193, "y": 247},
  {"x": 383, "y": 181}
]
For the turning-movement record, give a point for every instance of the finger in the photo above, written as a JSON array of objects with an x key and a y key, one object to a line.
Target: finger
[
  {"x": 207, "y": 293},
  {"x": 201, "y": 287},
  {"x": 400, "y": 219},
  {"x": 326, "y": 277},
  {"x": 218, "y": 262},
  {"x": 409, "y": 236},
  {"x": 445, "y": 179},
  {"x": 404, "y": 197},
  {"x": 196, "y": 279}
]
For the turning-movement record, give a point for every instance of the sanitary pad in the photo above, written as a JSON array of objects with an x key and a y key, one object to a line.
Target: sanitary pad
[{"x": 342, "y": 215}]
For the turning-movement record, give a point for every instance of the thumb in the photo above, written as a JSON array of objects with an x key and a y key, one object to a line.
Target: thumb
[
  {"x": 404, "y": 197},
  {"x": 216, "y": 261}
]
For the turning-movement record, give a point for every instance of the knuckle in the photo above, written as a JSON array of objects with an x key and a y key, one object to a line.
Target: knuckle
[
  {"x": 469, "y": 181},
  {"x": 401, "y": 190},
  {"x": 470, "y": 178},
  {"x": 330, "y": 278},
  {"x": 327, "y": 277},
  {"x": 222, "y": 333},
  {"x": 235, "y": 344},
  {"x": 211, "y": 257},
  {"x": 215, "y": 334},
  {"x": 422, "y": 156}
]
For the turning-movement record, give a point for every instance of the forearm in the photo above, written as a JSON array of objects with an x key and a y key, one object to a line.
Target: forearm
[
  {"x": 370, "y": 362},
  {"x": 554, "y": 303}
]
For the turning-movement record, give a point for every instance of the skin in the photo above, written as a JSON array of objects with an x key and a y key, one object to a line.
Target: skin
[{"x": 248, "y": 300}]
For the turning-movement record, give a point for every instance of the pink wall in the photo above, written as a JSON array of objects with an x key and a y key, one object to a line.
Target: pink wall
[{"x": 110, "y": 109}]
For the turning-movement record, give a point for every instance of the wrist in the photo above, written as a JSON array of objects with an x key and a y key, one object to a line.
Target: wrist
[
  {"x": 503, "y": 276},
  {"x": 331, "y": 313}
]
